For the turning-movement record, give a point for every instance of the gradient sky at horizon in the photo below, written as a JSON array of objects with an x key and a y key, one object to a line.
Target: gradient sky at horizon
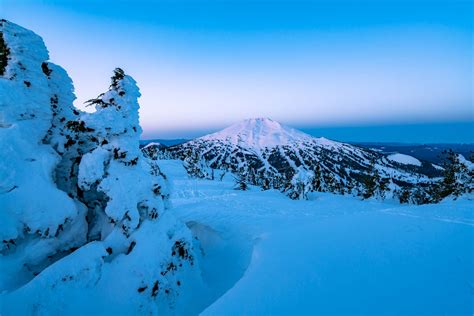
[{"x": 202, "y": 65}]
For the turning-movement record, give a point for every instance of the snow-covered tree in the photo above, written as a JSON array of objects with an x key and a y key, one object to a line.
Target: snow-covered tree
[
  {"x": 301, "y": 184},
  {"x": 458, "y": 177},
  {"x": 240, "y": 183},
  {"x": 76, "y": 191},
  {"x": 374, "y": 184},
  {"x": 38, "y": 222},
  {"x": 404, "y": 196},
  {"x": 197, "y": 167},
  {"x": 4, "y": 53},
  {"x": 316, "y": 183},
  {"x": 265, "y": 183}
]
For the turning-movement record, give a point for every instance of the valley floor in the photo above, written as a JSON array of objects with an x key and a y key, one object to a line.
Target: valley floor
[{"x": 266, "y": 254}]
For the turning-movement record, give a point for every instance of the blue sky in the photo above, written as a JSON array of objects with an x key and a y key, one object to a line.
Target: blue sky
[{"x": 318, "y": 65}]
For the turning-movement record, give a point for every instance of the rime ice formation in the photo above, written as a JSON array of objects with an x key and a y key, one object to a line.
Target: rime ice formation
[
  {"x": 37, "y": 220},
  {"x": 83, "y": 217}
]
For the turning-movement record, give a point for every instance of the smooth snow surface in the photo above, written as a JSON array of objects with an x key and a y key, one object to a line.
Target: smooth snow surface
[
  {"x": 404, "y": 159},
  {"x": 266, "y": 254},
  {"x": 259, "y": 133},
  {"x": 152, "y": 144}
]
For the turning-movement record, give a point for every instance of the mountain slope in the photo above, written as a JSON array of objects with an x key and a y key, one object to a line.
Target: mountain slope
[
  {"x": 258, "y": 133},
  {"x": 266, "y": 153}
]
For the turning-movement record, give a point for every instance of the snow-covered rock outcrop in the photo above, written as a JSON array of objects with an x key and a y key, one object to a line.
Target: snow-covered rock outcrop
[
  {"x": 271, "y": 155},
  {"x": 83, "y": 217}
]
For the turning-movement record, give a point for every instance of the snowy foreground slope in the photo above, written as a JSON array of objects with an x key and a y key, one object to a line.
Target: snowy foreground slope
[{"x": 329, "y": 255}]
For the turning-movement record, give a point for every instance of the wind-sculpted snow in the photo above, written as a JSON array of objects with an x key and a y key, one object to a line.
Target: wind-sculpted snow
[
  {"x": 331, "y": 254},
  {"x": 83, "y": 218},
  {"x": 265, "y": 153}
]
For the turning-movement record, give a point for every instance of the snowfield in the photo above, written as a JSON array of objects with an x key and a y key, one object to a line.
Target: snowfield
[
  {"x": 404, "y": 159},
  {"x": 266, "y": 254}
]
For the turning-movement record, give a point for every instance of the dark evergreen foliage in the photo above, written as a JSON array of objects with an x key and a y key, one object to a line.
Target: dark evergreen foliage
[
  {"x": 240, "y": 183},
  {"x": 4, "y": 53},
  {"x": 370, "y": 182},
  {"x": 456, "y": 177},
  {"x": 118, "y": 75}
]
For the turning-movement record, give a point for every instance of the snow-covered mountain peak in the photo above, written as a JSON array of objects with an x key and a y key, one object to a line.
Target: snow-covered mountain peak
[{"x": 258, "y": 133}]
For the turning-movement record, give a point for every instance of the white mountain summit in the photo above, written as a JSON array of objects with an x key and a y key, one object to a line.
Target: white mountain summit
[{"x": 258, "y": 133}]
